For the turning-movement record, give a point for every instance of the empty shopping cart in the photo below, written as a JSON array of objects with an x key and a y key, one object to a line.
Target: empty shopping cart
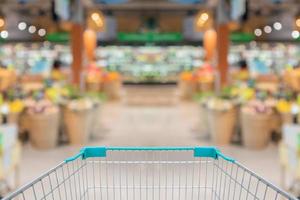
[{"x": 149, "y": 173}]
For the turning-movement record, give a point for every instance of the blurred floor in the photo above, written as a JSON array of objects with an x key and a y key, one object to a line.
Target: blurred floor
[{"x": 134, "y": 122}]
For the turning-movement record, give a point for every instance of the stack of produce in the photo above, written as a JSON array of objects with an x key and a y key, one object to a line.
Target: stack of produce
[
  {"x": 242, "y": 75},
  {"x": 43, "y": 105},
  {"x": 205, "y": 78},
  {"x": 94, "y": 78},
  {"x": 187, "y": 85},
  {"x": 39, "y": 112},
  {"x": 241, "y": 93},
  {"x": 284, "y": 108},
  {"x": 16, "y": 107},
  {"x": 12, "y": 106},
  {"x": 112, "y": 85}
]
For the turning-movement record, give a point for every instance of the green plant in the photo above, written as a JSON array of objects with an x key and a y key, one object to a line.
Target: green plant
[
  {"x": 226, "y": 92},
  {"x": 73, "y": 92}
]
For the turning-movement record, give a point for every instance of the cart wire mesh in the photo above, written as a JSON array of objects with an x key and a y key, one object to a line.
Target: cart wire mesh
[{"x": 166, "y": 173}]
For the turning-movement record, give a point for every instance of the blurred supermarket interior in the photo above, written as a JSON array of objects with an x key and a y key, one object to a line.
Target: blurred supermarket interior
[{"x": 221, "y": 73}]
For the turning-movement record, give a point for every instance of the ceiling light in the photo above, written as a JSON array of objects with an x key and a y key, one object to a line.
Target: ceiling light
[
  {"x": 32, "y": 29},
  {"x": 277, "y": 26},
  {"x": 95, "y": 16},
  {"x": 295, "y": 34},
  {"x": 258, "y": 32},
  {"x": 4, "y": 34},
  {"x": 42, "y": 32},
  {"x": 2, "y": 22},
  {"x": 22, "y": 26},
  {"x": 267, "y": 29},
  {"x": 204, "y": 16}
]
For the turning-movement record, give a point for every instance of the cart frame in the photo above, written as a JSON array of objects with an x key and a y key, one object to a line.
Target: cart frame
[{"x": 169, "y": 177}]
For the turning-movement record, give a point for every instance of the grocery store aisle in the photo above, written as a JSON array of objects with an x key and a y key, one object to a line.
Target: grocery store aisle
[{"x": 126, "y": 124}]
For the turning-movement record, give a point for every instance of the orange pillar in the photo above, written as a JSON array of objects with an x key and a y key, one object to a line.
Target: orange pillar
[
  {"x": 90, "y": 44},
  {"x": 77, "y": 52},
  {"x": 222, "y": 52},
  {"x": 210, "y": 43}
]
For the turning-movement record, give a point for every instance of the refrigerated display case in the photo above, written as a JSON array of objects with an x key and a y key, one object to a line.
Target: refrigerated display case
[
  {"x": 34, "y": 58},
  {"x": 150, "y": 63}
]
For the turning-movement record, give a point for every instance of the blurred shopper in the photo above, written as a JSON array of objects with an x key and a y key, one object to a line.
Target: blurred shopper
[
  {"x": 242, "y": 71},
  {"x": 57, "y": 73},
  {"x": 243, "y": 64}
]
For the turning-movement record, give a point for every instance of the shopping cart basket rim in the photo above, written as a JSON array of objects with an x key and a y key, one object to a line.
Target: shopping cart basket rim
[
  {"x": 101, "y": 151},
  {"x": 198, "y": 152}
]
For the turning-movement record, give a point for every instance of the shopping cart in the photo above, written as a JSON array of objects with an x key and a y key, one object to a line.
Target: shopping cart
[{"x": 149, "y": 173}]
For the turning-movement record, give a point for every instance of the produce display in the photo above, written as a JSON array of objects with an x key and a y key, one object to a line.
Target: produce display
[
  {"x": 39, "y": 112},
  {"x": 187, "y": 85},
  {"x": 265, "y": 58},
  {"x": 201, "y": 79},
  {"x": 37, "y": 96},
  {"x": 36, "y": 58},
  {"x": 150, "y": 63},
  {"x": 269, "y": 57},
  {"x": 256, "y": 114},
  {"x": 136, "y": 64},
  {"x": 94, "y": 78},
  {"x": 262, "y": 92}
]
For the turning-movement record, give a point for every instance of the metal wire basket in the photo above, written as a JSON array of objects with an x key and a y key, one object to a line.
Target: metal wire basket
[{"x": 150, "y": 173}]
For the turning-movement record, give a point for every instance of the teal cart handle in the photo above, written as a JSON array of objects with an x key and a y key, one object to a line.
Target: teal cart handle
[{"x": 204, "y": 152}]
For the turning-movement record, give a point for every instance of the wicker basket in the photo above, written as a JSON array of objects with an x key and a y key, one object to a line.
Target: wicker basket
[
  {"x": 256, "y": 129},
  {"x": 286, "y": 118},
  {"x": 206, "y": 86},
  {"x": 23, "y": 123},
  {"x": 187, "y": 89},
  {"x": 77, "y": 124},
  {"x": 112, "y": 89},
  {"x": 222, "y": 125},
  {"x": 43, "y": 129},
  {"x": 14, "y": 118},
  {"x": 93, "y": 86}
]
